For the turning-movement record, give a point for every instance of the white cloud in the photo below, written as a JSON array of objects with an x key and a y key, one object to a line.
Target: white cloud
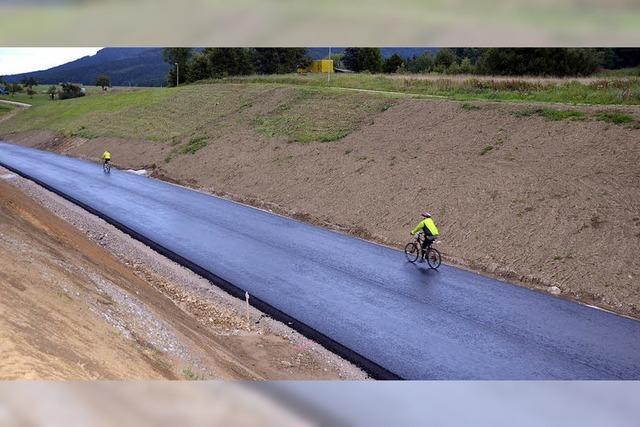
[{"x": 24, "y": 60}]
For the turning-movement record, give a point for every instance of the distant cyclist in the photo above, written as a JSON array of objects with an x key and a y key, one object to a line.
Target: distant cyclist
[
  {"x": 106, "y": 157},
  {"x": 428, "y": 227}
]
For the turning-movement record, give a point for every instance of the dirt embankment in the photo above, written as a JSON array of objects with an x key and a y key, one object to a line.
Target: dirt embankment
[
  {"x": 71, "y": 310},
  {"x": 550, "y": 204}
]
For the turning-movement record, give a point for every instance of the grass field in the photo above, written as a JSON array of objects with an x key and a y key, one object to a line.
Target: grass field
[
  {"x": 5, "y": 108},
  {"x": 187, "y": 116},
  {"x": 41, "y": 97},
  {"x": 603, "y": 91}
]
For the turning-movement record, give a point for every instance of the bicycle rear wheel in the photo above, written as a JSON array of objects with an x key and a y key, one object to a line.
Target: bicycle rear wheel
[
  {"x": 412, "y": 252},
  {"x": 433, "y": 258}
]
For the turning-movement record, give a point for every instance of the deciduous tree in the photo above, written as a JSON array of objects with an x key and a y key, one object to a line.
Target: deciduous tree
[{"x": 103, "y": 81}]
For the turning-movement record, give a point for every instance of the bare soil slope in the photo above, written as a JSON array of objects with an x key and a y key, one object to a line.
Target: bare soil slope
[
  {"x": 70, "y": 310},
  {"x": 552, "y": 203}
]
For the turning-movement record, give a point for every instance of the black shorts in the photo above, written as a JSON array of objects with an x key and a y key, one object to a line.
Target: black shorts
[{"x": 107, "y": 160}]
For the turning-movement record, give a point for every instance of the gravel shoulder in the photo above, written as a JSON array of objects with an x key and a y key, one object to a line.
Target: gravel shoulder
[{"x": 105, "y": 284}]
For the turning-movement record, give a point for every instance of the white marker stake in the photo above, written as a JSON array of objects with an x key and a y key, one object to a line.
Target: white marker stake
[{"x": 246, "y": 298}]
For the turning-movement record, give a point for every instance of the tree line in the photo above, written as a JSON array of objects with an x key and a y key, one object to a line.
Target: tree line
[
  {"x": 558, "y": 62},
  {"x": 194, "y": 65}
]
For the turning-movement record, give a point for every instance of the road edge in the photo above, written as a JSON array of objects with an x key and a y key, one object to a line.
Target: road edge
[{"x": 372, "y": 368}]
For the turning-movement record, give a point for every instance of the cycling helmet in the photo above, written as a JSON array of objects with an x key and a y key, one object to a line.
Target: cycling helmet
[{"x": 426, "y": 214}]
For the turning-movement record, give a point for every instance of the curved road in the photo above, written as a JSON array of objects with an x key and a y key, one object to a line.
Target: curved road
[{"x": 362, "y": 300}]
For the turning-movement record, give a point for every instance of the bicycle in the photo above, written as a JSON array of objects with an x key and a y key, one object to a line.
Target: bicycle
[
  {"x": 413, "y": 251},
  {"x": 106, "y": 167}
]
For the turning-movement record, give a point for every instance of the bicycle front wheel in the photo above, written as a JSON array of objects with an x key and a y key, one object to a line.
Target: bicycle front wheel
[
  {"x": 412, "y": 252},
  {"x": 433, "y": 258}
]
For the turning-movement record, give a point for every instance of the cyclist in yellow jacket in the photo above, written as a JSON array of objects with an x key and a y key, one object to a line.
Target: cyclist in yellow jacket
[
  {"x": 106, "y": 157},
  {"x": 429, "y": 228}
]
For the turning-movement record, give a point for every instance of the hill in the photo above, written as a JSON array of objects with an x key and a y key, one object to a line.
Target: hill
[{"x": 125, "y": 66}]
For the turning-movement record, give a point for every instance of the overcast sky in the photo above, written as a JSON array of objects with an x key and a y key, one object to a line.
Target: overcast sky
[{"x": 24, "y": 60}]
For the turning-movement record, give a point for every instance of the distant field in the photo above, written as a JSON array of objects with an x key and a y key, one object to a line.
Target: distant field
[
  {"x": 42, "y": 97},
  {"x": 601, "y": 90}
]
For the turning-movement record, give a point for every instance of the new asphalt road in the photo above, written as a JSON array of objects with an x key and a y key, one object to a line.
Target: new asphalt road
[{"x": 362, "y": 300}]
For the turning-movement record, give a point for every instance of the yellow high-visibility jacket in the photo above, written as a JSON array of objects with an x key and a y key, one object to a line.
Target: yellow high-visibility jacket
[
  {"x": 106, "y": 155},
  {"x": 429, "y": 225}
]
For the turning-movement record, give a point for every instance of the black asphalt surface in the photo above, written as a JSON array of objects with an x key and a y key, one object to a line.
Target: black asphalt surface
[{"x": 360, "y": 299}]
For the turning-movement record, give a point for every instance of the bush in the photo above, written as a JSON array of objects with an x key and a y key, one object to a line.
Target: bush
[
  {"x": 540, "y": 61},
  {"x": 393, "y": 64},
  {"x": 453, "y": 69},
  {"x": 466, "y": 67},
  {"x": 52, "y": 91},
  {"x": 69, "y": 90},
  {"x": 421, "y": 64},
  {"x": 103, "y": 81},
  {"x": 445, "y": 58}
]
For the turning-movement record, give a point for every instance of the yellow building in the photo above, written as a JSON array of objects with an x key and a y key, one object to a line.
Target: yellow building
[{"x": 319, "y": 66}]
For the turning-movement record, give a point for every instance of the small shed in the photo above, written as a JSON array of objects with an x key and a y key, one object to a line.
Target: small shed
[{"x": 319, "y": 66}]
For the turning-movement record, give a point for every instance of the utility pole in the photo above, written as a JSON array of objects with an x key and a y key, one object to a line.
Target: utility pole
[
  {"x": 329, "y": 73},
  {"x": 177, "y": 75}
]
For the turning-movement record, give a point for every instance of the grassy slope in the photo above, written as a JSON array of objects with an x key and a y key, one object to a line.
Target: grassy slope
[
  {"x": 188, "y": 113},
  {"x": 189, "y": 116},
  {"x": 596, "y": 91}
]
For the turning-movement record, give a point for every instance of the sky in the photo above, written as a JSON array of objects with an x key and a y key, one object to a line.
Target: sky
[{"x": 24, "y": 60}]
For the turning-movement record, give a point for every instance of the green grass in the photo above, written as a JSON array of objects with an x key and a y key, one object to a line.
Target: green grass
[
  {"x": 551, "y": 114},
  {"x": 317, "y": 115},
  {"x": 486, "y": 150},
  {"x": 613, "y": 117},
  {"x": 470, "y": 107},
  {"x": 128, "y": 114},
  {"x": 41, "y": 97},
  {"x": 597, "y": 91},
  {"x": 5, "y": 108},
  {"x": 194, "y": 145},
  {"x": 175, "y": 115}
]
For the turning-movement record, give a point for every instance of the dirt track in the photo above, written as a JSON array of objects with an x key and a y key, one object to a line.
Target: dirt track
[
  {"x": 554, "y": 204},
  {"x": 71, "y": 310}
]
